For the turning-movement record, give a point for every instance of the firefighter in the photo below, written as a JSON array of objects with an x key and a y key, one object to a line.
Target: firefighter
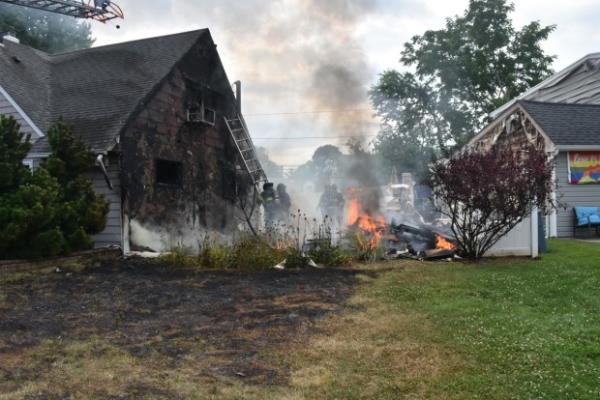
[
  {"x": 284, "y": 203},
  {"x": 332, "y": 204},
  {"x": 269, "y": 202}
]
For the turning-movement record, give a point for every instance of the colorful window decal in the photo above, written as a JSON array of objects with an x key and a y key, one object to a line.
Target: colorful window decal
[{"x": 584, "y": 167}]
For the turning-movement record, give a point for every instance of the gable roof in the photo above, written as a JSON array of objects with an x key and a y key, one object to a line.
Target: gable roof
[
  {"x": 566, "y": 124},
  {"x": 96, "y": 90},
  {"x": 579, "y": 83}
]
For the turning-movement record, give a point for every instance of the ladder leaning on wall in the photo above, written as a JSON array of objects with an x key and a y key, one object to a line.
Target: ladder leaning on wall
[{"x": 241, "y": 137}]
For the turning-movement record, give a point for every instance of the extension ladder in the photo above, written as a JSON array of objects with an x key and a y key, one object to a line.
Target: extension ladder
[{"x": 239, "y": 133}]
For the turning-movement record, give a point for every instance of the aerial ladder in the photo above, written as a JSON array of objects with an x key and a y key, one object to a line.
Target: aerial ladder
[{"x": 98, "y": 10}]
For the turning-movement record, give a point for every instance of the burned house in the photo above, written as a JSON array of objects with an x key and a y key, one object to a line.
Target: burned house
[
  {"x": 562, "y": 116},
  {"x": 173, "y": 150}
]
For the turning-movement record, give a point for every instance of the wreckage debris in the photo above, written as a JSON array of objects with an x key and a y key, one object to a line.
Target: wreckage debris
[{"x": 419, "y": 243}]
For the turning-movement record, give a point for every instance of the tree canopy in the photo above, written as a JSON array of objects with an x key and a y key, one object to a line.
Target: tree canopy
[
  {"x": 51, "y": 33},
  {"x": 452, "y": 79}
]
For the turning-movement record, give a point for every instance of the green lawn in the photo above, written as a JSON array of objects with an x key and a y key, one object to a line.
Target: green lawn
[{"x": 503, "y": 329}]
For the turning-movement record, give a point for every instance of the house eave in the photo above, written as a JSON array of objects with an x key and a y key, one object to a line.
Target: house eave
[
  {"x": 21, "y": 112},
  {"x": 36, "y": 156}
]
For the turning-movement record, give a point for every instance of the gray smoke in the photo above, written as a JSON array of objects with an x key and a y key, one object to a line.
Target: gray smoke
[{"x": 305, "y": 54}]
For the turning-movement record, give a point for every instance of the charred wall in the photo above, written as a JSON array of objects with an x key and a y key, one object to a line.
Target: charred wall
[{"x": 179, "y": 176}]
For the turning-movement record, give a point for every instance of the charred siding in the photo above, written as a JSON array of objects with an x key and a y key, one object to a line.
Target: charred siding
[{"x": 203, "y": 197}]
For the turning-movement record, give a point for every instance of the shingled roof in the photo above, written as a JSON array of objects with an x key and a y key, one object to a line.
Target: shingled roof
[
  {"x": 575, "y": 84},
  {"x": 567, "y": 124},
  {"x": 95, "y": 90}
]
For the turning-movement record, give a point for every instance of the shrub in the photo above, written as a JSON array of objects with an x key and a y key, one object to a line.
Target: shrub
[
  {"x": 296, "y": 259},
  {"x": 330, "y": 256},
  {"x": 487, "y": 193},
  {"x": 253, "y": 253},
  {"x": 179, "y": 257},
  {"x": 213, "y": 255},
  {"x": 52, "y": 210}
]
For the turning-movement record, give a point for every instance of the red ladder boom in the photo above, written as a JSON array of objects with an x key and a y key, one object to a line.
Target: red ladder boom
[{"x": 99, "y": 10}]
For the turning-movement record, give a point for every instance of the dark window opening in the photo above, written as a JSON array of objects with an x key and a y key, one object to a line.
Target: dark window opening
[
  {"x": 210, "y": 116},
  {"x": 168, "y": 172}
]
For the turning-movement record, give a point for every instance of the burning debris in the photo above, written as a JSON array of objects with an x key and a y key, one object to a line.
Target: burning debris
[
  {"x": 368, "y": 224},
  {"x": 399, "y": 231},
  {"x": 373, "y": 231},
  {"x": 422, "y": 243}
]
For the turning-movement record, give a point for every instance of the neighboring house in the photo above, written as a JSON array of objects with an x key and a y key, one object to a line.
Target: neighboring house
[
  {"x": 561, "y": 115},
  {"x": 154, "y": 112}
]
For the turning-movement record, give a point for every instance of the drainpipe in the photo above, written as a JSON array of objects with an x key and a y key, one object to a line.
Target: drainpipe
[{"x": 100, "y": 163}]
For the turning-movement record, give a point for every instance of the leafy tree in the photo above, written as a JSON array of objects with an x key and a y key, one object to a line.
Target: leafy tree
[
  {"x": 325, "y": 165},
  {"x": 53, "y": 209},
  {"x": 45, "y": 31},
  {"x": 487, "y": 193},
  {"x": 454, "y": 77}
]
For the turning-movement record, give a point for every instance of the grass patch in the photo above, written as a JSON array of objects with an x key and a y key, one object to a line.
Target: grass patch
[
  {"x": 499, "y": 329},
  {"x": 524, "y": 329}
]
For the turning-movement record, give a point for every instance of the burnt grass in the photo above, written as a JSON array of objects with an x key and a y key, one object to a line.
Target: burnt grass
[{"x": 154, "y": 310}]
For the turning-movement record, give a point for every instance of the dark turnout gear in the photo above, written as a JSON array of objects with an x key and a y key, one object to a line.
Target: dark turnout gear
[
  {"x": 332, "y": 204},
  {"x": 284, "y": 202},
  {"x": 269, "y": 201}
]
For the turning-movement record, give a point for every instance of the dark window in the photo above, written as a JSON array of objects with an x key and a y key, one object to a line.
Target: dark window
[
  {"x": 168, "y": 172},
  {"x": 210, "y": 116}
]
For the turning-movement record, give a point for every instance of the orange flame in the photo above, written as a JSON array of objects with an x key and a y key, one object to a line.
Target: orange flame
[
  {"x": 372, "y": 226},
  {"x": 443, "y": 244}
]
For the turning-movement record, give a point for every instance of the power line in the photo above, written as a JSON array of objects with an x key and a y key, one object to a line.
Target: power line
[
  {"x": 307, "y": 112},
  {"x": 314, "y": 137}
]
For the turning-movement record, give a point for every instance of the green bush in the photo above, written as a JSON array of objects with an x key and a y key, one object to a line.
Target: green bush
[
  {"x": 52, "y": 210},
  {"x": 252, "y": 253},
  {"x": 180, "y": 257},
  {"x": 330, "y": 256}
]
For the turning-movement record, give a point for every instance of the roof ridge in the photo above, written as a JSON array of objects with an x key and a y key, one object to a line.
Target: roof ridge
[{"x": 105, "y": 46}]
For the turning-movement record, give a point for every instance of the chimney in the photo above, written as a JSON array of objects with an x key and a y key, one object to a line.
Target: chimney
[
  {"x": 238, "y": 96},
  {"x": 8, "y": 37}
]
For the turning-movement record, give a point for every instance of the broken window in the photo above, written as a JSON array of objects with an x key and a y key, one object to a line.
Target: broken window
[{"x": 168, "y": 172}]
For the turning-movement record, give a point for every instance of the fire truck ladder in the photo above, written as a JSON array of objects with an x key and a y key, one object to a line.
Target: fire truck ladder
[
  {"x": 243, "y": 141},
  {"x": 99, "y": 10}
]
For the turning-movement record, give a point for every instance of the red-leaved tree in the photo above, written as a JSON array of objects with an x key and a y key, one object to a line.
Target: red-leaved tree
[{"x": 486, "y": 193}]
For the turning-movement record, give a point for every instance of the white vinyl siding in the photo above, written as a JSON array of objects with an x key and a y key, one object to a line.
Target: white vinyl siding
[{"x": 112, "y": 234}]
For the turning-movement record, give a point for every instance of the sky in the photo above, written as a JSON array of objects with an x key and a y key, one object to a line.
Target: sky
[{"x": 306, "y": 65}]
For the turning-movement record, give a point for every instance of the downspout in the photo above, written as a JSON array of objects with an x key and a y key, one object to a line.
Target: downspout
[{"x": 100, "y": 163}]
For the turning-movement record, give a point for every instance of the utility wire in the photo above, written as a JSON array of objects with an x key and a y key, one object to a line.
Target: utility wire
[
  {"x": 307, "y": 112},
  {"x": 314, "y": 137}
]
